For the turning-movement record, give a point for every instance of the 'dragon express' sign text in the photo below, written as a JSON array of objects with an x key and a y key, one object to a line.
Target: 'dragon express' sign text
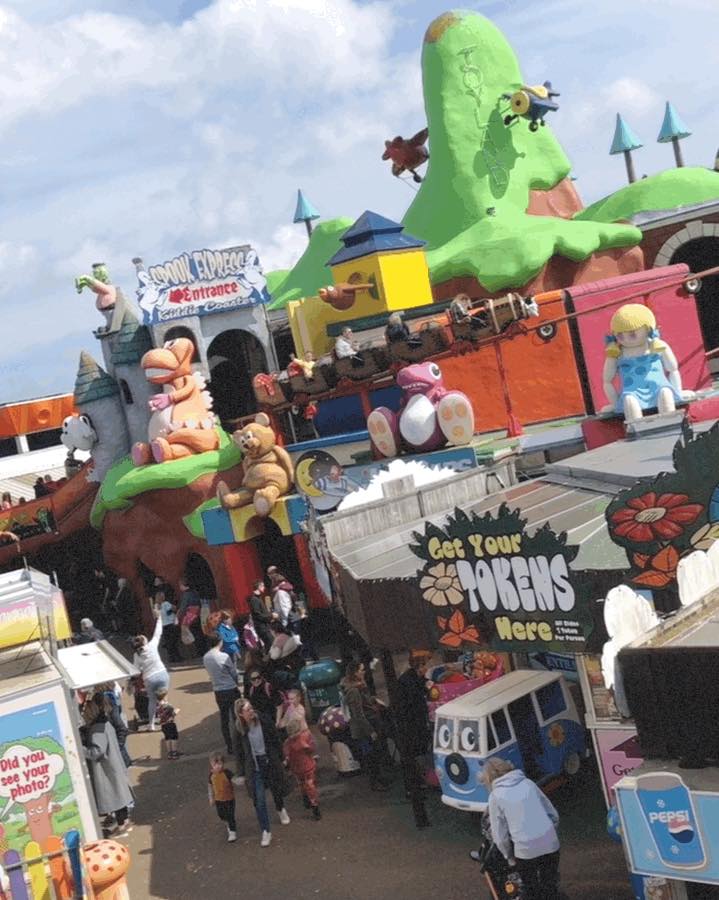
[{"x": 486, "y": 581}]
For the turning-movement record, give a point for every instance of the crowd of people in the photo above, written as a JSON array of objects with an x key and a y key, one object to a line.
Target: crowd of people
[{"x": 253, "y": 665}]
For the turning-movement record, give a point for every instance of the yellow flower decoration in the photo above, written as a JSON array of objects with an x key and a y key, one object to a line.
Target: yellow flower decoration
[
  {"x": 556, "y": 734},
  {"x": 705, "y": 537},
  {"x": 440, "y": 585}
]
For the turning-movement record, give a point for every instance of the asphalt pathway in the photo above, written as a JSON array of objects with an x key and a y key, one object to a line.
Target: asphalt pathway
[{"x": 366, "y": 846}]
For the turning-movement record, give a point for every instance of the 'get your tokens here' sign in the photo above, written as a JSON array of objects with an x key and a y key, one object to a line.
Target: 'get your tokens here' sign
[{"x": 486, "y": 581}]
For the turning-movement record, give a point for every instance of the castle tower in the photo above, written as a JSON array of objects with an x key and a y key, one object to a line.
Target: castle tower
[
  {"x": 129, "y": 345},
  {"x": 97, "y": 395}
]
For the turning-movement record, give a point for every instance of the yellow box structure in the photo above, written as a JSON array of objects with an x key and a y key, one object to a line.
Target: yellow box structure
[{"x": 375, "y": 250}]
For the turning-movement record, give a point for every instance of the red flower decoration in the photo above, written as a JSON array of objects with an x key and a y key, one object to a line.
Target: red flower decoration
[
  {"x": 648, "y": 518},
  {"x": 457, "y": 632}
]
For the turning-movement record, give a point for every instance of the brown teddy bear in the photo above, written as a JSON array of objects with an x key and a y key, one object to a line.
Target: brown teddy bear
[{"x": 268, "y": 469}]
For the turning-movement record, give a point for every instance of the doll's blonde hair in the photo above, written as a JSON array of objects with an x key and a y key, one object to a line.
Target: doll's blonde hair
[{"x": 632, "y": 317}]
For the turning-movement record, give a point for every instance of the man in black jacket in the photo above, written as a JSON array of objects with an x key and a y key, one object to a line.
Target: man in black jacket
[
  {"x": 261, "y": 615},
  {"x": 412, "y": 715}
]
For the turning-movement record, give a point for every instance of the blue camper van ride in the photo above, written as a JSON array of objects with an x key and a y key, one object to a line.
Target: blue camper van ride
[{"x": 525, "y": 716}]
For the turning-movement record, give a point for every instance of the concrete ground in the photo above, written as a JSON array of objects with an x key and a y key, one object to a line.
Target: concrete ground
[{"x": 366, "y": 845}]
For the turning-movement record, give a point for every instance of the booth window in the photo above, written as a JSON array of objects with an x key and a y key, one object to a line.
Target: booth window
[
  {"x": 39, "y": 440},
  {"x": 501, "y": 726},
  {"x": 126, "y": 392},
  {"x": 8, "y": 447},
  {"x": 551, "y": 700},
  {"x": 491, "y": 743}
]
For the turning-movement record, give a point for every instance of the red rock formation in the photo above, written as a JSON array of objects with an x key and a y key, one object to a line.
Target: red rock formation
[{"x": 151, "y": 531}]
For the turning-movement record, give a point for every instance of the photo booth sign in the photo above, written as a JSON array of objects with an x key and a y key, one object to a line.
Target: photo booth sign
[{"x": 487, "y": 580}]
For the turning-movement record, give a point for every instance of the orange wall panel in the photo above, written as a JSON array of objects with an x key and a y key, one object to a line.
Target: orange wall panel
[
  {"x": 542, "y": 377},
  {"x": 35, "y": 415}
]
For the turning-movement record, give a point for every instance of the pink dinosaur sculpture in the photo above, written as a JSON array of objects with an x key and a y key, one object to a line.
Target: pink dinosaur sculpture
[{"x": 429, "y": 416}]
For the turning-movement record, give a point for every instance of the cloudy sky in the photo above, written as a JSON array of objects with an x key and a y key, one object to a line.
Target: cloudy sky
[{"x": 150, "y": 127}]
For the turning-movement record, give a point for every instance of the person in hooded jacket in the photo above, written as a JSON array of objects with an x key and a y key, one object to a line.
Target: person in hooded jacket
[{"x": 524, "y": 828}]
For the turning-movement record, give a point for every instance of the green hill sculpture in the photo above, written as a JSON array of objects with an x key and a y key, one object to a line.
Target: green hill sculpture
[{"x": 311, "y": 271}]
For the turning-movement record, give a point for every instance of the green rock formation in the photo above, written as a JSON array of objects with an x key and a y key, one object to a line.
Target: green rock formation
[
  {"x": 667, "y": 190},
  {"x": 311, "y": 272},
  {"x": 275, "y": 279},
  {"x": 124, "y": 480},
  {"x": 472, "y": 205}
]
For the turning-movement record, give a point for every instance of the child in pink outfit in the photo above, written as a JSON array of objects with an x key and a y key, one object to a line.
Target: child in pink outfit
[{"x": 300, "y": 755}]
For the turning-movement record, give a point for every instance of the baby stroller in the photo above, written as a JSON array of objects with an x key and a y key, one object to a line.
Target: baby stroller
[{"x": 503, "y": 882}]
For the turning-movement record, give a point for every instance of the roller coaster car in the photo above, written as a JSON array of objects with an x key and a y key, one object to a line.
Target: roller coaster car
[
  {"x": 493, "y": 317},
  {"x": 374, "y": 360},
  {"x": 271, "y": 390},
  {"x": 430, "y": 339},
  {"x": 315, "y": 385},
  {"x": 531, "y": 102}
]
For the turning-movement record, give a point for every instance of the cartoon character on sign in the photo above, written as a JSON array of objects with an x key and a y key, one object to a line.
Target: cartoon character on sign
[
  {"x": 322, "y": 480},
  {"x": 27, "y": 777},
  {"x": 429, "y": 417},
  {"x": 251, "y": 279},
  {"x": 182, "y": 423},
  {"x": 148, "y": 293}
]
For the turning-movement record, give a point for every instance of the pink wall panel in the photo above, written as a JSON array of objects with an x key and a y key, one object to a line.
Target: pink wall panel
[{"x": 675, "y": 311}]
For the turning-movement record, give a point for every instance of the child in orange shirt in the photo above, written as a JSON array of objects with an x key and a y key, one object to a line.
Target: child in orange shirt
[{"x": 222, "y": 794}]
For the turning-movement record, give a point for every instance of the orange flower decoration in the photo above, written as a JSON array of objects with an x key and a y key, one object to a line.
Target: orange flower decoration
[
  {"x": 651, "y": 517},
  {"x": 659, "y": 570},
  {"x": 456, "y": 631}
]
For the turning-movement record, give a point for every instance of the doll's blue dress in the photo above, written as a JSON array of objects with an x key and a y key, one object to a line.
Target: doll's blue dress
[{"x": 644, "y": 377}]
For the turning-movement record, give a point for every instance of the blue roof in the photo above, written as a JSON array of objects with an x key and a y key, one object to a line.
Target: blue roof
[
  {"x": 370, "y": 234},
  {"x": 624, "y": 138},
  {"x": 304, "y": 211},
  {"x": 672, "y": 126}
]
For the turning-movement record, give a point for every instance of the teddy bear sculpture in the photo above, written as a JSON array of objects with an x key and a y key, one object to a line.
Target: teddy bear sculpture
[{"x": 268, "y": 469}]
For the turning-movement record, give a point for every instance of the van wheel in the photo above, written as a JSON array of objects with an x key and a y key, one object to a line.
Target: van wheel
[{"x": 572, "y": 764}]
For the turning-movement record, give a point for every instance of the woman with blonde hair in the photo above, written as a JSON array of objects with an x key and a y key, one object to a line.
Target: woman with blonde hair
[
  {"x": 646, "y": 367},
  {"x": 258, "y": 757},
  {"x": 524, "y": 828}
]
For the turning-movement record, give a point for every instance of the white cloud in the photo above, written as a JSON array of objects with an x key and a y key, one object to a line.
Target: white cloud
[
  {"x": 630, "y": 95},
  {"x": 128, "y": 130},
  {"x": 284, "y": 248}
]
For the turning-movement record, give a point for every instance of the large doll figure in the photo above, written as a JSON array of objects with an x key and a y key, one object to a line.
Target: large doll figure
[{"x": 647, "y": 369}]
